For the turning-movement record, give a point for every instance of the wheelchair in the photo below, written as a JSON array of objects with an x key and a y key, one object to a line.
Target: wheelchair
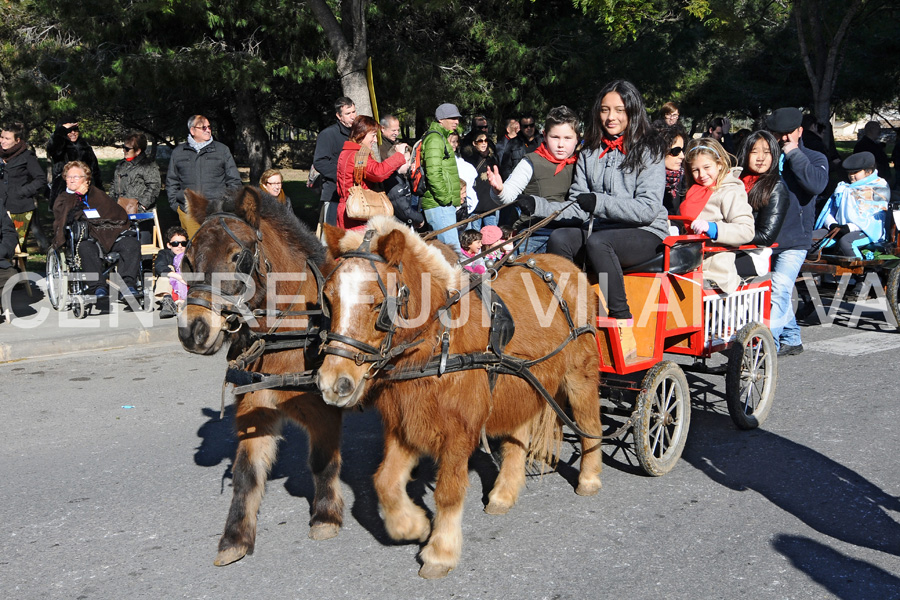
[{"x": 67, "y": 285}]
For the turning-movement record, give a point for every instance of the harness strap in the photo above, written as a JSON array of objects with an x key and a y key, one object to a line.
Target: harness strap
[{"x": 250, "y": 381}]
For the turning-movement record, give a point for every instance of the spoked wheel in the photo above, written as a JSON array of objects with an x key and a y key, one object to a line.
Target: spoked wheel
[
  {"x": 57, "y": 280},
  {"x": 663, "y": 418},
  {"x": 80, "y": 308},
  {"x": 751, "y": 375},
  {"x": 891, "y": 292}
]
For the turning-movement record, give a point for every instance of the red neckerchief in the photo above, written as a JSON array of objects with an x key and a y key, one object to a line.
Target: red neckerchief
[
  {"x": 694, "y": 201},
  {"x": 749, "y": 181},
  {"x": 560, "y": 163},
  {"x": 130, "y": 159},
  {"x": 616, "y": 144}
]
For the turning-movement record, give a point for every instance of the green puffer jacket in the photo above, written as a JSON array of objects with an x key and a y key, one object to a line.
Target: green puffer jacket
[{"x": 440, "y": 170}]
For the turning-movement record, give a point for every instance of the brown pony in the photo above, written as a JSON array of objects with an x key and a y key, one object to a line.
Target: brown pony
[
  {"x": 444, "y": 416},
  {"x": 261, "y": 241}
]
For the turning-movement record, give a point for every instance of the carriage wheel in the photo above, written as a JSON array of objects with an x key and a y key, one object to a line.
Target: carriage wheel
[
  {"x": 890, "y": 291},
  {"x": 57, "y": 282},
  {"x": 751, "y": 375},
  {"x": 80, "y": 309},
  {"x": 663, "y": 417}
]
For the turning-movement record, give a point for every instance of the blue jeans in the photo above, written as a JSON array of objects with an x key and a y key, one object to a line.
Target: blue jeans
[
  {"x": 785, "y": 268},
  {"x": 444, "y": 216},
  {"x": 536, "y": 242},
  {"x": 491, "y": 219}
]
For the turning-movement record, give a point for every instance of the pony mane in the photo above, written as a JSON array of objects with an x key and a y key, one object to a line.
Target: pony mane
[
  {"x": 433, "y": 261},
  {"x": 281, "y": 217}
]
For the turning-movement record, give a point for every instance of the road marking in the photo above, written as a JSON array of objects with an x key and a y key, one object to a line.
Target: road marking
[{"x": 858, "y": 344}]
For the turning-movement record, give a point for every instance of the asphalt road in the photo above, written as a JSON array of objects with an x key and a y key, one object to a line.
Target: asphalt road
[{"x": 116, "y": 482}]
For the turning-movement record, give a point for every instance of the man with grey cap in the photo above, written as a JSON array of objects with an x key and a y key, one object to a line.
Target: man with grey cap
[
  {"x": 805, "y": 175},
  {"x": 441, "y": 198},
  {"x": 856, "y": 213}
]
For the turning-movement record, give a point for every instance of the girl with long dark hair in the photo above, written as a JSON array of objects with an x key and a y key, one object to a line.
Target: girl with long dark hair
[
  {"x": 758, "y": 158},
  {"x": 619, "y": 182}
]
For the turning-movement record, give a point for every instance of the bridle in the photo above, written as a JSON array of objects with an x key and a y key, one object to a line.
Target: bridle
[
  {"x": 252, "y": 264},
  {"x": 233, "y": 308},
  {"x": 392, "y": 307}
]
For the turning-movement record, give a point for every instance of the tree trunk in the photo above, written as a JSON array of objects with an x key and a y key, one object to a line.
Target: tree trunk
[
  {"x": 253, "y": 134},
  {"x": 348, "y": 45},
  {"x": 822, "y": 56}
]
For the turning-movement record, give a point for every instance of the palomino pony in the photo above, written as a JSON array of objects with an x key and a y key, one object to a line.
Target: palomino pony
[
  {"x": 392, "y": 298},
  {"x": 255, "y": 281}
]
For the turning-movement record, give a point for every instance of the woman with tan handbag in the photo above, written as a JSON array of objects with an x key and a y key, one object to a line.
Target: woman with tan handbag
[{"x": 357, "y": 170}]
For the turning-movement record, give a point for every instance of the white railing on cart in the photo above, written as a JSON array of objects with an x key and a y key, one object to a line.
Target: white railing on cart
[{"x": 726, "y": 314}]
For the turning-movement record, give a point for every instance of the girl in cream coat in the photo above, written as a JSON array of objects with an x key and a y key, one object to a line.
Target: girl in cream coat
[{"x": 716, "y": 203}]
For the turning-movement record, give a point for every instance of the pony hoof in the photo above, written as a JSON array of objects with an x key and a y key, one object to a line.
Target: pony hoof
[
  {"x": 323, "y": 531},
  {"x": 496, "y": 509},
  {"x": 588, "y": 489},
  {"x": 230, "y": 555},
  {"x": 433, "y": 571}
]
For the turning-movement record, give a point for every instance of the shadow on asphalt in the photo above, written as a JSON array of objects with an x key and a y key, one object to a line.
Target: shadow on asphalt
[
  {"x": 823, "y": 494},
  {"x": 841, "y": 575}
]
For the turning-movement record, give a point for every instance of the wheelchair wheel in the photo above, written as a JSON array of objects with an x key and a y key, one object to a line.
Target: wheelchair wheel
[
  {"x": 57, "y": 280},
  {"x": 663, "y": 413},
  {"x": 751, "y": 375},
  {"x": 80, "y": 308}
]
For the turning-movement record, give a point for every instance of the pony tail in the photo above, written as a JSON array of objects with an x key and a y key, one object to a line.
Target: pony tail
[{"x": 545, "y": 439}]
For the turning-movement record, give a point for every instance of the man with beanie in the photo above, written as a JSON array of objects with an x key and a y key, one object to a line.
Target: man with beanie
[
  {"x": 805, "y": 174},
  {"x": 441, "y": 199}
]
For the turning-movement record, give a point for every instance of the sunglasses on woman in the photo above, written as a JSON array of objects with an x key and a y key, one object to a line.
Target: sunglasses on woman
[{"x": 675, "y": 150}]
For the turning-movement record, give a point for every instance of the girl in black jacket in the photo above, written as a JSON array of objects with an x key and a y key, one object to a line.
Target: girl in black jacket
[{"x": 758, "y": 156}]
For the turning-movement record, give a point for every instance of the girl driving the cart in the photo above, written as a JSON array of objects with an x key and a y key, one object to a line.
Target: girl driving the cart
[{"x": 854, "y": 217}]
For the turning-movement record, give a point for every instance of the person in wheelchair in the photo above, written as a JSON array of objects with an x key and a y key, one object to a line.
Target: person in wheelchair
[
  {"x": 100, "y": 228},
  {"x": 856, "y": 213}
]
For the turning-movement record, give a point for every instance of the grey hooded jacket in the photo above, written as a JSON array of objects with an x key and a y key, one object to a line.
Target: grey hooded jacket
[{"x": 624, "y": 199}]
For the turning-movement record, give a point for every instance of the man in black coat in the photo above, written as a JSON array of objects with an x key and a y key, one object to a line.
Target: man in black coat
[
  {"x": 526, "y": 141},
  {"x": 869, "y": 143},
  {"x": 805, "y": 174},
  {"x": 202, "y": 165},
  {"x": 66, "y": 145},
  {"x": 329, "y": 144}
]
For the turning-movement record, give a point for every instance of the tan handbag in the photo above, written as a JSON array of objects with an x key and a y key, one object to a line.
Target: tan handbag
[
  {"x": 364, "y": 204},
  {"x": 130, "y": 205}
]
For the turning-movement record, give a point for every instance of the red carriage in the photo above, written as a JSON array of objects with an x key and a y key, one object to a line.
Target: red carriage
[{"x": 675, "y": 314}]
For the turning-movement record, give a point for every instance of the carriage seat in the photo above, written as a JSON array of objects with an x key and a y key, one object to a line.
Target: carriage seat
[{"x": 684, "y": 257}]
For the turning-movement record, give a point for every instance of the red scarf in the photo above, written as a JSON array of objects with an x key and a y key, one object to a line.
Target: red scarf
[
  {"x": 560, "y": 163},
  {"x": 749, "y": 181},
  {"x": 616, "y": 144},
  {"x": 694, "y": 201}
]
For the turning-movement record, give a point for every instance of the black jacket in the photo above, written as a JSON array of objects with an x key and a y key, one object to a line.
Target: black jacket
[
  {"x": 805, "y": 176},
  {"x": 516, "y": 150},
  {"x": 770, "y": 217},
  {"x": 164, "y": 262},
  {"x": 329, "y": 144},
  {"x": 61, "y": 151},
  {"x": 8, "y": 239},
  {"x": 22, "y": 179},
  {"x": 211, "y": 172},
  {"x": 138, "y": 179},
  {"x": 882, "y": 164}
]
